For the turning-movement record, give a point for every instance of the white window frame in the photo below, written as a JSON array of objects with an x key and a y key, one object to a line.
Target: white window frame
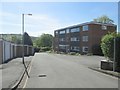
[
  {"x": 67, "y": 30},
  {"x": 104, "y": 27},
  {"x": 62, "y": 32},
  {"x": 74, "y": 39},
  {"x": 83, "y": 49},
  {"x": 75, "y": 30},
  {"x": 62, "y": 39},
  {"x": 62, "y": 46},
  {"x": 75, "y": 48},
  {"x": 85, "y": 28},
  {"x": 85, "y": 38},
  {"x": 56, "y": 32}
]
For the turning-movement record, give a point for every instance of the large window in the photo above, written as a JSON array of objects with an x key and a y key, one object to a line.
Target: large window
[
  {"x": 75, "y": 30},
  {"x": 104, "y": 27},
  {"x": 62, "y": 46},
  {"x": 75, "y": 48},
  {"x": 56, "y": 32},
  {"x": 74, "y": 39},
  {"x": 62, "y": 32},
  {"x": 67, "y": 31},
  {"x": 85, "y": 49},
  {"x": 85, "y": 38},
  {"x": 85, "y": 28},
  {"x": 62, "y": 39}
]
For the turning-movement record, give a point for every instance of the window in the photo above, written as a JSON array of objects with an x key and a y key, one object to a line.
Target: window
[
  {"x": 75, "y": 30},
  {"x": 74, "y": 39},
  {"x": 85, "y": 38},
  {"x": 104, "y": 27},
  {"x": 85, "y": 49},
  {"x": 62, "y": 32},
  {"x": 85, "y": 28},
  {"x": 75, "y": 48},
  {"x": 67, "y": 30},
  {"x": 62, "y": 39},
  {"x": 62, "y": 46},
  {"x": 56, "y": 32}
]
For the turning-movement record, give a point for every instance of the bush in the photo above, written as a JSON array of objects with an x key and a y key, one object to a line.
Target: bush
[
  {"x": 89, "y": 54},
  {"x": 44, "y": 49},
  {"x": 72, "y": 53},
  {"x": 36, "y": 49},
  {"x": 77, "y": 54},
  {"x": 62, "y": 52},
  {"x": 107, "y": 45}
]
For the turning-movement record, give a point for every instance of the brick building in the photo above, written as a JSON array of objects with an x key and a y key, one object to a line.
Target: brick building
[{"x": 82, "y": 38}]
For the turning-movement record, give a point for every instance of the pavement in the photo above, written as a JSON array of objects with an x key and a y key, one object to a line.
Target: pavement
[
  {"x": 64, "y": 71},
  {"x": 46, "y": 72},
  {"x": 12, "y": 72}
]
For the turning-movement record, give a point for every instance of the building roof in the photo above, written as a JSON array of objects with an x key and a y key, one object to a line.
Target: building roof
[{"x": 87, "y": 23}]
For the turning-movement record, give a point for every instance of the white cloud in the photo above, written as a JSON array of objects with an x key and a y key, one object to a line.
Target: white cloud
[{"x": 35, "y": 25}]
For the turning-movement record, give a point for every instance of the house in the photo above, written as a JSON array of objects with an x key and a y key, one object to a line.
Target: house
[{"x": 81, "y": 38}]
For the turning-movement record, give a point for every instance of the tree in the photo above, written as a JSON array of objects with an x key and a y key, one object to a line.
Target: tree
[
  {"x": 15, "y": 39},
  {"x": 107, "y": 45},
  {"x": 103, "y": 19},
  {"x": 45, "y": 40},
  {"x": 27, "y": 39}
]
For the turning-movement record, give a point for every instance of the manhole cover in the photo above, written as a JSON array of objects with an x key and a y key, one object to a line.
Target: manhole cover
[{"x": 42, "y": 75}]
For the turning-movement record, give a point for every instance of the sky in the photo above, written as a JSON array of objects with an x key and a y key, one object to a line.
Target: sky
[{"x": 49, "y": 16}]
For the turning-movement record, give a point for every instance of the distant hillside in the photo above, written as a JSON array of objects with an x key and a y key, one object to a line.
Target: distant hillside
[{"x": 8, "y": 37}]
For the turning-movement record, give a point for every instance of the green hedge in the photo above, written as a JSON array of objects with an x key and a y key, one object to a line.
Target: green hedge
[
  {"x": 107, "y": 45},
  {"x": 44, "y": 49}
]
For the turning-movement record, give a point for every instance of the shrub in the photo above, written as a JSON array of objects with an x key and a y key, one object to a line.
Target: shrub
[
  {"x": 77, "y": 54},
  {"x": 72, "y": 53},
  {"x": 44, "y": 49},
  {"x": 107, "y": 45},
  {"x": 89, "y": 54}
]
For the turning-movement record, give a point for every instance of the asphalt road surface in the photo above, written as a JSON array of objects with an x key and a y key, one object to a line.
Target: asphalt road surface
[{"x": 65, "y": 71}]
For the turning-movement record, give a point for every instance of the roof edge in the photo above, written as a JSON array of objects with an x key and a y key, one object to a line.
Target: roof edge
[{"x": 87, "y": 23}]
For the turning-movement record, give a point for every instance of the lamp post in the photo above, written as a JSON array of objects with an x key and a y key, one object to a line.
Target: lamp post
[{"x": 23, "y": 43}]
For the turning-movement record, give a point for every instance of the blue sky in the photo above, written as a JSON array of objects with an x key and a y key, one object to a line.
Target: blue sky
[{"x": 50, "y": 16}]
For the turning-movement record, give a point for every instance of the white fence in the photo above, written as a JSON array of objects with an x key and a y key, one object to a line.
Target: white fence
[{"x": 10, "y": 50}]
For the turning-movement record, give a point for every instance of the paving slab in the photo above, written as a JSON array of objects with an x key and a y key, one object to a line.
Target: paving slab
[{"x": 12, "y": 71}]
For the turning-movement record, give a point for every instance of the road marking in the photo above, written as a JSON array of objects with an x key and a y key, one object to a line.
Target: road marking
[{"x": 28, "y": 73}]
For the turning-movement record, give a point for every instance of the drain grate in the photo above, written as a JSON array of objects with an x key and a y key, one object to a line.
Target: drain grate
[{"x": 42, "y": 75}]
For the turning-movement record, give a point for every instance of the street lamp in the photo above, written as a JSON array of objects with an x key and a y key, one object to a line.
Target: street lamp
[{"x": 23, "y": 42}]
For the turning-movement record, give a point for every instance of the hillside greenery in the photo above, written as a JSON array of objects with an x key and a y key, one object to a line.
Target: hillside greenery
[{"x": 15, "y": 38}]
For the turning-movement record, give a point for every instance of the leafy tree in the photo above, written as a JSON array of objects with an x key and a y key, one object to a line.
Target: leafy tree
[
  {"x": 27, "y": 39},
  {"x": 103, "y": 19},
  {"x": 45, "y": 40},
  {"x": 107, "y": 45},
  {"x": 15, "y": 39}
]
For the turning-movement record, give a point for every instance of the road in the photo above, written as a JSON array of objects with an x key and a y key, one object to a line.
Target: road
[{"x": 65, "y": 71}]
